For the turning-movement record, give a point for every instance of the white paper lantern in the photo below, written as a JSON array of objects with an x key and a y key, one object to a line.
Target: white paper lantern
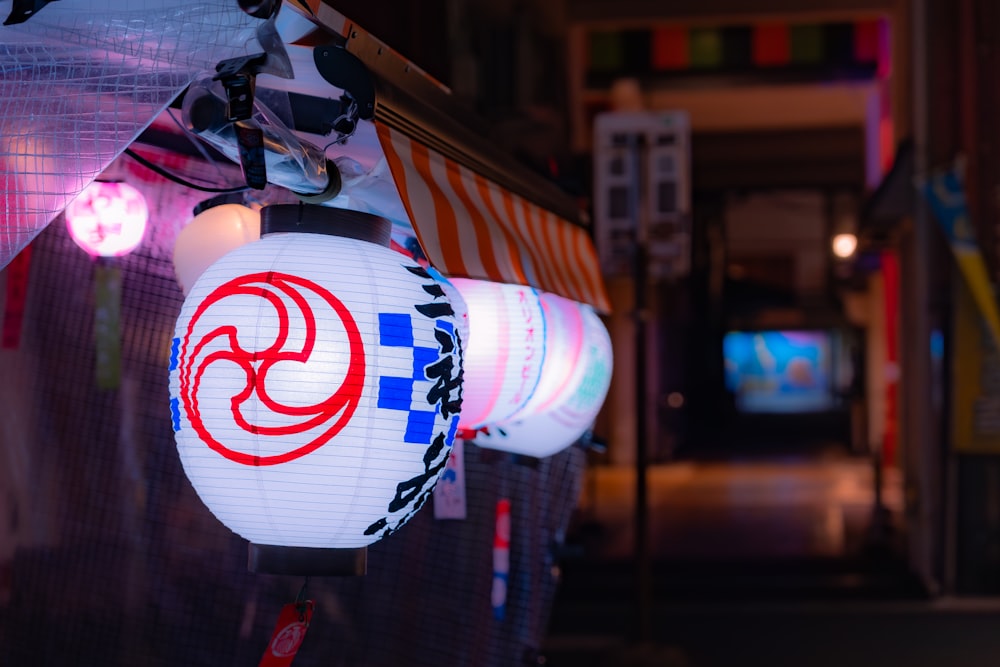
[
  {"x": 505, "y": 350},
  {"x": 108, "y": 219},
  {"x": 315, "y": 382},
  {"x": 210, "y": 235},
  {"x": 457, "y": 304},
  {"x": 572, "y": 414},
  {"x": 563, "y": 347}
]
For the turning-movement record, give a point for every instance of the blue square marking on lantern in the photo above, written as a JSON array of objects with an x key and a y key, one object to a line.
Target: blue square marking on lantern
[
  {"x": 175, "y": 413},
  {"x": 175, "y": 351},
  {"x": 395, "y": 330},
  {"x": 395, "y": 393},
  {"x": 422, "y": 358},
  {"x": 419, "y": 427}
]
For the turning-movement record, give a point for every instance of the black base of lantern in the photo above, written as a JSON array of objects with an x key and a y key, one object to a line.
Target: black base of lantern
[
  {"x": 315, "y": 219},
  {"x": 307, "y": 561}
]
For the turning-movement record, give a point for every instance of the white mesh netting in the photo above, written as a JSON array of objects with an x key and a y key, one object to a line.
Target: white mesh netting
[{"x": 81, "y": 79}]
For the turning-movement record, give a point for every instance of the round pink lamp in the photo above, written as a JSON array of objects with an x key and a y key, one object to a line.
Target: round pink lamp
[{"x": 107, "y": 219}]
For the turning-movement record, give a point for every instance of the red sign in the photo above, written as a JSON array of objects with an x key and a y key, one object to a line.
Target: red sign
[{"x": 289, "y": 631}]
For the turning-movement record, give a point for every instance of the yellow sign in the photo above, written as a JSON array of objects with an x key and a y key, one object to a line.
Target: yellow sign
[{"x": 975, "y": 424}]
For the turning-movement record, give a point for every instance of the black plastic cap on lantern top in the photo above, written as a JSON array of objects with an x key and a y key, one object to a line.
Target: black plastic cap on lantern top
[
  {"x": 314, "y": 219},
  {"x": 307, "y": 561}
]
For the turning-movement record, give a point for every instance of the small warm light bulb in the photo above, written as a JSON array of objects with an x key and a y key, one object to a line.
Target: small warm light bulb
[
  {"x": 210, "y": 235},
  {"x": 844, "y": 245}
]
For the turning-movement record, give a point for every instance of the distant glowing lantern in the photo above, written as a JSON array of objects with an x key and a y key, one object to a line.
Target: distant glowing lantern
[
  {"x": 315, "y": 382},
  {"x": 550, "y": 431},
  {"x": 107, "y": 219},
  {"x": 844, "y": 245},
  {"x": 505, "y": 351},
  {"x": 210, "y": 235}
]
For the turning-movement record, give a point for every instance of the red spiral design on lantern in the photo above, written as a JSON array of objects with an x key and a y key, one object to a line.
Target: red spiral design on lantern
[{"x": 337, "y": 409}]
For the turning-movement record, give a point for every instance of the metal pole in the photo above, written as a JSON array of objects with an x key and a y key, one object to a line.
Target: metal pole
[
  {"x": 642, "y": 555},
  {"x": 641, "y": 268},
  {"x": 921, "y": 452}
]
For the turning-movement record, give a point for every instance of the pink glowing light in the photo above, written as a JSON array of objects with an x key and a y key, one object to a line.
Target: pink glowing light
[
  {"x": 107, "y": 219},
  {"x": 505, "y": 350}
]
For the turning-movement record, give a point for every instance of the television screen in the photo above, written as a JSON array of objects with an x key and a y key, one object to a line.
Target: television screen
[{"x": 779, "y": 371}]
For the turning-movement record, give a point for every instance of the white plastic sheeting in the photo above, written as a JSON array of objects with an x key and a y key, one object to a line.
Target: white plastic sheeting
[{"x": 81, "y": 79}]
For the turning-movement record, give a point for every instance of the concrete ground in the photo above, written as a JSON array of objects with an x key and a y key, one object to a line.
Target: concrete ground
[{"x": 766, "y": 562}]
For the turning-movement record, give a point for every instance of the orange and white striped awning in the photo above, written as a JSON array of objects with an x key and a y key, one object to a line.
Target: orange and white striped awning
[{"x": 471, "y": 227}]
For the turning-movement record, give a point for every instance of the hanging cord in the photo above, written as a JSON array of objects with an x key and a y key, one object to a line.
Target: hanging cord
[
  {"x": 300, "y": 600},
  {"x": 177, "y": 179}
]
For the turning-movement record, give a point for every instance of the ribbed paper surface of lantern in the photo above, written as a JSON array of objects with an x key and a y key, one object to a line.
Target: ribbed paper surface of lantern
[
  {"x": 457, "y": 304},
  {"x": 505, "y": 351},
  {"x": 315, "y": 385},
  {"x": 550, "y": 431},
  {"x": 563, "y": 345}
]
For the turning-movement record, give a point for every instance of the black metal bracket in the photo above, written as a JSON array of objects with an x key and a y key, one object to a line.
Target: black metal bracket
[
  {"x": 345, "y": 71},
  {"x": 22, "y": 10},
  {"x": 239, "y": 79},
  {"x": 317, "y": 115},
  {"x": 250, "y": 139}
]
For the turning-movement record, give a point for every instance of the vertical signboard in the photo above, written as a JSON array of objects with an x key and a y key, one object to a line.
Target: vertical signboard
[{"x": 642, "y": 191}]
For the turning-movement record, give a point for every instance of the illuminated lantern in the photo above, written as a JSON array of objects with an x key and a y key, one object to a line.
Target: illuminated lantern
[
  {"x": 315, "y": 382},
  {"x": 107, "y": 219},
  {"x": 573, "y": 412},
  {"x": 210, "y": 235},
  {"x": 457, "y": 304},
  {"x": 504, "y": 354},
  {"x": 563, "y": 346}
]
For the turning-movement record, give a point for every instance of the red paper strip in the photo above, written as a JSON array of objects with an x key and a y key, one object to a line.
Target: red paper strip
[
  {"x": 501, "y": 559},
  {"x": 890, "y": 302},
  {"x": 289, "y": 631},
  {"x": 17, "y": 297}
]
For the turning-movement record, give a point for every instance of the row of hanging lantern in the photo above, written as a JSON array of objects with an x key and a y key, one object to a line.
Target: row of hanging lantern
[
  {"x": 537, "y": 368},
  {"x": 318, "y": 378}
]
